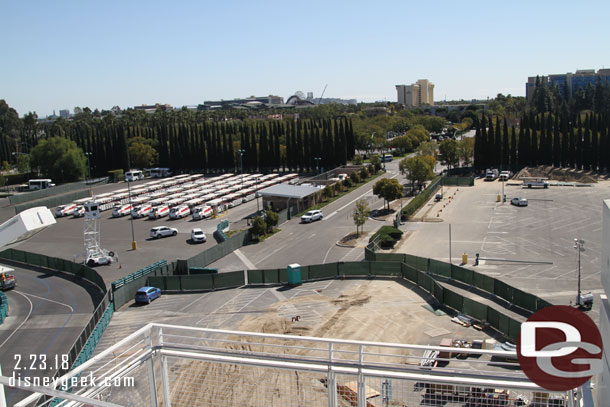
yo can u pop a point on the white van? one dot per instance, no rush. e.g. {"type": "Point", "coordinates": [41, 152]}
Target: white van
{"type": "Point", "coordinates": [134, 175]}
{"type": "Point", "coordinates": [36, 184]}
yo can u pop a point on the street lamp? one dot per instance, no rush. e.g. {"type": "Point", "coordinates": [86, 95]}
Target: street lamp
{"type": "Point", "coordinates": [257, 207]}
{"type": "Point", "coordinates": [579, 245]}
{"type": "Point", "coordinates": [134, 245]}
{"type": "Point", "coordinates": [89, 154]}
{"type": "Point", "coordinates": [241, 164]}
{"type": "Point", "coordinates": [317, 159]}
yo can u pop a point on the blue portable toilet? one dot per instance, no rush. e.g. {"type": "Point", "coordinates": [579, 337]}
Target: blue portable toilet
{"type": "Point", "coordinates": [294, 274]}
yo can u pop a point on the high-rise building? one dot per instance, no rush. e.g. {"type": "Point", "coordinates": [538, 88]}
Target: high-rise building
{"type": "Point", "coordinates": [568, 83]}
{"type": "Point", "coordinates": [64, 113]}
{"type": "Point", "coordinates": [416, 94]}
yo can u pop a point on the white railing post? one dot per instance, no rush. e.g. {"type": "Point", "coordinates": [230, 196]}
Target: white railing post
{"type": "Point", "coordinates": [331, 379]}
{"type": "Point", "coordinates": [164, 376]}
{"type": "Point", "coordinates": [151, 369]}
{"type": "Point", "coordinates": [361, 380]}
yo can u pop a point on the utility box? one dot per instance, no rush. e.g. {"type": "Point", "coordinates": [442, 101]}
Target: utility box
{"type": "Point", "coordinates": [294, 274]}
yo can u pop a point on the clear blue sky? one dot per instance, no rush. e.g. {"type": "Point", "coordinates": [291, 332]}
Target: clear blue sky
{"type": "Point", "coordinates": [62, 54]}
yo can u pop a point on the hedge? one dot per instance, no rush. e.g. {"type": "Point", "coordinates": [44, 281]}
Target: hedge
{"type": "Point", "coordinates": [420, 199]}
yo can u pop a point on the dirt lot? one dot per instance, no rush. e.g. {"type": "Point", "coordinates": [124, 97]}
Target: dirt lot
{"type": "Point", "coordinates": [370, 310]}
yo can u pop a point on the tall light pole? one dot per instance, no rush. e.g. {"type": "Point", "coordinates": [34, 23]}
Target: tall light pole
{"type": "Point", "coordinates": [134, 245]}
{"type": "Point", "coordinates": [241, 164]}
{"type": "Point", "coordinates": [579, 245]}
{"type": "Point", "coordinates": [257, 207]}
{"type": "Point", "coordinates": [317, 160]}
{"type": "Point", "coordinates": [89, 154]}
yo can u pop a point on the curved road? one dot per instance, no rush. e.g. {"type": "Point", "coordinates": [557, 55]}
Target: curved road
{"type": "Point", "coordinates": [47, 313]}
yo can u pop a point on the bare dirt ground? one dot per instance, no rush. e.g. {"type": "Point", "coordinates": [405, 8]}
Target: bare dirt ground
{"type": "Point", "coordinates": [369, 310]}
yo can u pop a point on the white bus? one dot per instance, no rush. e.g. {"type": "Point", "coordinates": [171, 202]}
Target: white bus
{"type": "Point", "coordinates": [134, 175]}
{"type": "Point", "coordinates": [36, 184]}
{"type": "Point", "coordinates": [160, 172]}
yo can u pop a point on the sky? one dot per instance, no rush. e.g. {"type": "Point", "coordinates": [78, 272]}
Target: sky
{"type": "Point", "coordinates": [62, 54]}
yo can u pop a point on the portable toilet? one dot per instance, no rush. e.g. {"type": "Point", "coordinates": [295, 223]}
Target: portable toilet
{"type": "Point", "coordinates": [294, 274]}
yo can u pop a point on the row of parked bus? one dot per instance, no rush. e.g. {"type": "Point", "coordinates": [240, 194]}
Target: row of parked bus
{"type": "Point", "coordinates": [180, 196]}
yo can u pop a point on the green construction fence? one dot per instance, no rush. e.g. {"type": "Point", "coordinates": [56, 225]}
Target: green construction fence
{"type": "Point", "coordinates": [3, 307]}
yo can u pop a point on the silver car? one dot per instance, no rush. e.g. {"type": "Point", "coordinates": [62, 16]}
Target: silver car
{"type": "Point", "coordinates": [162, 231]}
{"type": "Point", "coordinates": [519, 201]}
{"type": "Point", "coordinates": [312, 216]}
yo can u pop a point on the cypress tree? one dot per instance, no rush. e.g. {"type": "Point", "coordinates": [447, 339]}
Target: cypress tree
{"type": "Point", "coordinates": [490, 145]}
{"type": "Point", "coordinates": [513, 149]}
{"type": "Point", "coordinates": [579, 144]}
{"type": "Point", "coordinates": [586, 145]}
{"type": "Point", "coordinates": [505, 149]}
{"type": "Point", "coordinates": [533, 155]}
{"type": "Point", "coordinates": [556, 143]}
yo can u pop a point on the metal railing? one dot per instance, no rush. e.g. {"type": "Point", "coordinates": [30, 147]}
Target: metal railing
{"type": "Point", "coordinates": [185, 366]}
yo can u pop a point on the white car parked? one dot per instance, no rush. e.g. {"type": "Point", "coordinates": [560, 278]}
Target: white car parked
{"type": "Point", "coordinates": [162, 231]}
{"type": "Point", "coordinates": [197, 236]}
{"type": "Point", "coordinates": [312, 216]}
{"type": "Point", "coordinates": [519, 201]}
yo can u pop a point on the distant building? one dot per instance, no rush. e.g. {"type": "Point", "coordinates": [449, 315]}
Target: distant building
{"type": "Point", "coordinates": [416, 94]}
{"type": "Point", "coordinates": [298, 99]}
{"type": "Point", "coordinates": [247, 102]}
{"type": "Point", "coordinates": [64, 113]}
{"type": "Point", "coordinates": [568, 83]}
{"type": "Point", "coordinates": [153, 108]}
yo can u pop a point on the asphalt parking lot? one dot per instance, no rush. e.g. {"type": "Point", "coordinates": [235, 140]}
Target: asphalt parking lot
{"type": "Point", "coordinates": [544, 231]}
{"type": "Point", "coordinates": [47, 313]}
{"type": "Point", "coordinates": [65, 239]}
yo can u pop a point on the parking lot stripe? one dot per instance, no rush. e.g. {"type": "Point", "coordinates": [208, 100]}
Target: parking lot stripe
{"type": "Point", "coordinates": [244, 260]}
{"type": "Point", "coordinates": [193, 302]}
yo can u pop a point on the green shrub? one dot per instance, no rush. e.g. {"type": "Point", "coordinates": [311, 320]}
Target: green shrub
{"type": "Point", "coordinates": [22, 178]}
{"type": "Point", "coordinates": [420, 199]}
{"type": "Point", "coordinates": [387, 242]}
{"type": "Point", "coordinates": [364, 173]}
{"type": "Point", "coordinates": [355, 177]}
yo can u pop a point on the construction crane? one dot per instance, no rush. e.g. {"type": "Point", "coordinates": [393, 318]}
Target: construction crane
{"type": "Point", "coordinates": [322, 95]}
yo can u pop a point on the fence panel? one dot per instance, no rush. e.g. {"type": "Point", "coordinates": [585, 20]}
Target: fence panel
{"type": "Point", "coordinates": [440, 267]}
{"type": "Point", "coordinates": [159, 282]}
{"type": "Point", "coordinates": [271, 276]}
{"type": "Point", "coordinates": [493, 317]}
{"type": "Point", "coordinates": [396, 257]}
{"type": "Point", "coordinates": [321, 271]}
{"type": "Point", "coordinates": [255, 277]}
{"type": "Point", "coordinates": [409, 272]}
{"type": "Point", "coordinates": [439, 292]}
{"type": "Point", "coordinates": [359, 268]}
{"type": "Point", "coordinates": [426, 282]}
{"type": "Point", "coordinates": [231, 279]}
{"type": "Point", "coordinates": [197, 282]}
{"type": "Point", "coordinates": [462, 274]}
{"type": "Point", "coordinates": [453, 300]}
{"type": "Point", "coordinates": [386, 268]}
{"type": "Point", "coordinates": [475, 309]}
{"type": "Point", "coordinates": [514, 328]}
{"type": "Point", "coordinates": [503, 290]}
{"type": "Point", "coordinates": [524, 300]}
{"type": "Point", "coordinates": [483, 282]}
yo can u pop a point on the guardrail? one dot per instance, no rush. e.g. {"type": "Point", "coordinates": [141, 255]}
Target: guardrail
{"type": "Point", "coordinates": [3, 307]}
{"type": "Point", "coordinates": [124, 289]}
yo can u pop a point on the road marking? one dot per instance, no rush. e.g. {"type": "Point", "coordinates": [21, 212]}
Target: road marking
{"type": "Point", "coordinates": [193, 302]}
{"type": "Point", "coordinates": [327, 252]}
{"type": "Point", "coordinates": [351, 202]}
{"type": "Point", "coordinates": [21, 324]}
{"type": "Point", "coordinates": [46, 299]}
{"type": "Point", "coordinates": [244, 259]}
{"type": "Point", "coordinates": [271, 254]}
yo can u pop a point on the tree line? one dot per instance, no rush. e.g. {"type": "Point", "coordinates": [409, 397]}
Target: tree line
{"type": "Point", "coordinates": [578, 141]}
{"type": "Point", "coordinates": [182, 142]}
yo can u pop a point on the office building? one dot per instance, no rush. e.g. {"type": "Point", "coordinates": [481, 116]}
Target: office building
{"type": "Point", "coordinates": [568, 83]}
{"type": "Point", "coordinates": [416, 94]}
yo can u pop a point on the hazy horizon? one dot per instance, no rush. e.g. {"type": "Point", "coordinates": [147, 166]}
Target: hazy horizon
{"type": "Point", "coordinates": [59, 56]}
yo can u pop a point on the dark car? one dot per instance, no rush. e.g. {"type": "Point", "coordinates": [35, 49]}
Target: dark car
{"type": "Point", "coordinates": [147, 294]}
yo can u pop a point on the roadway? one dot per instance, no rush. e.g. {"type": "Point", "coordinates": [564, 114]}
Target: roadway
{"type": "Point", "coordinates": [47, 313]}
{"type": "Point", "coordinates": [313, 243]}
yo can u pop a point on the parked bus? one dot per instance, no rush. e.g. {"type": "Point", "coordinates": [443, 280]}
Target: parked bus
{"type": "Point", "coordinates": [36, 184]}
{"type": "Point", "coordinates": [134, 175]}
{"type": "Point", "coordinates": [160, 172]}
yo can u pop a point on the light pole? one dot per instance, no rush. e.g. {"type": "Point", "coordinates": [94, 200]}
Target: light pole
{"type": "Point", "coordinates": [134, 245]}
{"type": "Point", "coordinates": [241, 164]}
{"type": "Point", "coordinates": [579, 245]}
{"type": "Point", "coordinates": [317, 159]}
{"type": "Point", "coordinates": [257, 207]}
{"type": "Point", "coordinates": [89, 154]}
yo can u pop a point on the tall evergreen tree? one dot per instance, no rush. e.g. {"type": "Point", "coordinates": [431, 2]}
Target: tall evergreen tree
{"type": "Point", "coordinates": [513, 149]}
{"type": "Point", "coordinates": [505, 148]}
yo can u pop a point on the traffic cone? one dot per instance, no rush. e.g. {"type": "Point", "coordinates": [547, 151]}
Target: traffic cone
{"type": "Point", "coordinates": [120, 266]}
